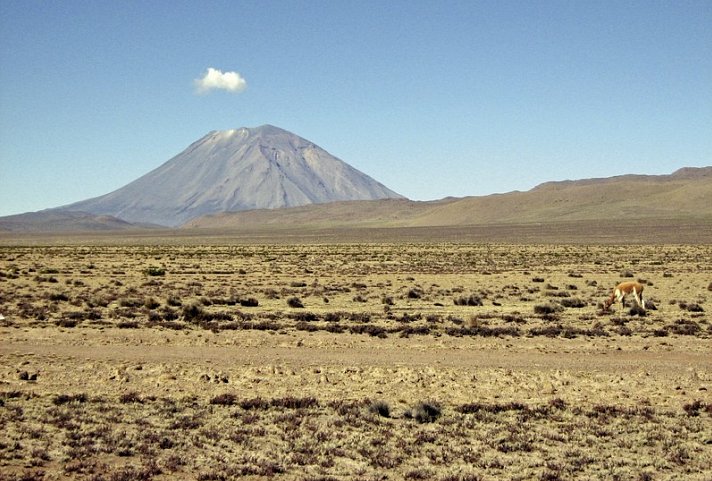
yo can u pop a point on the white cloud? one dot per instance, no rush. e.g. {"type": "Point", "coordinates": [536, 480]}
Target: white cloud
{"type": "Point", "coordinates": [214, 79]}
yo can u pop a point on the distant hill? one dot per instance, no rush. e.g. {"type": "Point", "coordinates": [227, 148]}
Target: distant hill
{"type": "Point", "coordinates": [235, 170]}
{"type": "Point", "coordinates": [687, 193]}
{"type": "Point", "coordinates": [62, 221]}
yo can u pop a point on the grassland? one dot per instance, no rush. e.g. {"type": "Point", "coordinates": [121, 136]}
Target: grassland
{"type": "Point", "coordinates": [341, 361]}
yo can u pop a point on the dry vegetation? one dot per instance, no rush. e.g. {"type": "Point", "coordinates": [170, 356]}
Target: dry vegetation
{"type": "Point", "coordinates": [354, 361]}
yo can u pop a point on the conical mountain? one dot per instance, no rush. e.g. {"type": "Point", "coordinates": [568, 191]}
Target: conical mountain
{"type": "Point", "coordinates": [234, 170]}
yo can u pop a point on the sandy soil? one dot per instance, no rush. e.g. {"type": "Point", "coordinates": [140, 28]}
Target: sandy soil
{"type": "Point", "coordinates": [168, 362]}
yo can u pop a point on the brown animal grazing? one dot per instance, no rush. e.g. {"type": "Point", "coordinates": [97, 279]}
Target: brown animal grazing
{"type": "Point", "coordinates": [622, 290]}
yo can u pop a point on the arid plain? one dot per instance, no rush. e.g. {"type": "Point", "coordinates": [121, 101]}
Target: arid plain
{"type": "Point", "coordinates": [326, 360]}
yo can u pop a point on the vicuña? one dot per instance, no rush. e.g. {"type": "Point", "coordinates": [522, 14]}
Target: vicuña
{"type": "Point", "coordinates": [624, 289]}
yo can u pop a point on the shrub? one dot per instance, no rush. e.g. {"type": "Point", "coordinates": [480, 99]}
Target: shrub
{"type": "Point", "coordinates": [169, 314]}
{"type": "Point", "coordinates": [415, 294]}
{"type": "Point", "coordinates": [290, 402]}
{"type": "Point", "coordinates": [266, 326]}
{"type": "Point", "coordinates": [693, 408]}
{"type": "Point", "coordinates": [476, 408]}
{"type": "Point", "coordinates": [573, 302]}
{"type": "Point", "coordinates": [226, 399]}
{"type": "Point", "coordinates": [417, 331]}
{"type": "Point", "coordinates": [548, 331]}
{"type": "Point", "coordinates": [544, 309]}
{"type": "Point", "coordinates": [174, 301]}
{"type": "Point", "coordinates": [127, 325]}
{"type": "Point", "coordinates": [295, 302]}
{"type": "Point", "coordinates": [131, 397]}
{"type": "Point", "coordinates": [155, 271]}
{"type": "Point", "coordinates": [516, 318]}
{"type": "Point", "coordinates": [425, 412]}
{"type": "Point", "coordinates": [684, 327]}
{"type": "Point", "coordinates": [192, 312]}
{"type": "Point", "coordinates": [335, 327]}
{"type": "Point", "coordinates": [69, 398]}
{"type": "Point", "coordinates": [556, 293]}
{"type": "Point", "coordinates": [333, 316]}
{"type": "Point", "coordinates": [147, 471]}
{"type": "Point", "coordinates": [306, 326]}
{"type": "Point", "coordinates": [375, 331]}
{"type": "Point", "coordinates": [131, 302]}
{"type": "Point", "coordinates": [249, 302]}
{"type": "Point", "coordinates": [380, 408]}
{"type": "Point", "coordinates": [151, 303]}
{"type": "Point", "coordinates": [253, 404]}
{"type": "Point", "coordinates": [624, 331]}
{"type": "Point", "coordinates": [408, 318]}
{"type": "Point", "coordinates": [67, 322]}
{"type": "Point", "coordinates": [230, 301]}
{"type": "Point", "coordinates": [694, 308]}
{"type": "Point", "coordinates": [304, 317]}
{"type": "Point", "coordinates": [471, 300]}
{"type": "Point", "coordinates": [483, 331]}
{"type": "Point", "coordinates": [176, 326]}
{"type": "Point", "coordinates": [82, 315]}
{"type": "Point", "coordinates": [26, 376]}
{"type": "Point", "coordinates": [360, 317]}
{"type": "Point", "coordinates": [419, 474]}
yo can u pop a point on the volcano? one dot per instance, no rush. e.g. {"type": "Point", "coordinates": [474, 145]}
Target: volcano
{"type": "Point", "coordinates": [236, 170]}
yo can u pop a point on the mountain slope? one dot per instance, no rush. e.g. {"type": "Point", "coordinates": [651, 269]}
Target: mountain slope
{"type": "Point", "coordinates": [374, 213]}
{"type": "Point", "coordinates": [686, 193]}
{"type": "Point", "coordinates": [235, 170]}
{"type": "Point", "coordinates": [61, 221]}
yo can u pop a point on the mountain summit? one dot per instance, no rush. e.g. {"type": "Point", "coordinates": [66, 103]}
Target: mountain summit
{"type": "Point", "coordinates": [234, 170]}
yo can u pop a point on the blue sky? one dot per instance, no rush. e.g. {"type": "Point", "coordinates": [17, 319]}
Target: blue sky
{"type": "Point", "coordinates": [433, 98]}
